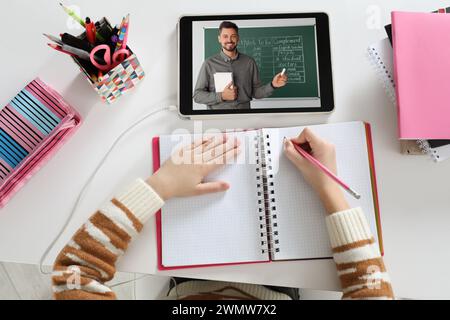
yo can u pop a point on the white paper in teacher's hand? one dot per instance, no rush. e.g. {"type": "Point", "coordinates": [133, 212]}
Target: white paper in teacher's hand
{"type": "Point", "coordinates": [221, 80]}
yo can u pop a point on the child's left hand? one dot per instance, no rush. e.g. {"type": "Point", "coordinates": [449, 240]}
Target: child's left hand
{"type": "Point", "coordinates": [183, 174]}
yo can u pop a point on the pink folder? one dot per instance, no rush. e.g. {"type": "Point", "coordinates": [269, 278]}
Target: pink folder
{"type": "Point", "coordinates": [422, 71]}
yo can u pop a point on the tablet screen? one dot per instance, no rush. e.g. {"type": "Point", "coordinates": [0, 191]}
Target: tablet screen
{"type": "Point", "coordinates": [253, 64]}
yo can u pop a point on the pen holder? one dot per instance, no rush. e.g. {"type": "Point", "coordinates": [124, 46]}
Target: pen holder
{"type": "Point", "coordinates": [118, 81]}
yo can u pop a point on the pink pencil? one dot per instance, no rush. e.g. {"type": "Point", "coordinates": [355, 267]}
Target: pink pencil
{"type": "Point", "coordinates": [316, 162]}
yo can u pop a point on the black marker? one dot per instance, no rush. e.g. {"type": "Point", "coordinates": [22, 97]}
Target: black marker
{"type": "Point", "coordinates": [76, 42]}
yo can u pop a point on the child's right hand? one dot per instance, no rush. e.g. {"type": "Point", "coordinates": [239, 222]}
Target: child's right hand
{"type": "Point", "coordinates": [328, 190]}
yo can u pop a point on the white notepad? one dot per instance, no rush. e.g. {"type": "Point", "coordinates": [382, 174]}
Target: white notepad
{"type": "Point", "coordinates": [221, 80]}
{"type": "Point", "coordinates": [270, 212]}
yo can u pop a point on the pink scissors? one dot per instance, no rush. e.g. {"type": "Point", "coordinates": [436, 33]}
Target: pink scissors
{"type": "Point", "coordinates": [110, 61]}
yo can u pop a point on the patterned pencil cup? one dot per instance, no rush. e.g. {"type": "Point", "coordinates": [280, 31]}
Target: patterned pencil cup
{"type": "Point", "coordinates": [117, 81]}
{"type": "Point", "coordinates": [120, 80]}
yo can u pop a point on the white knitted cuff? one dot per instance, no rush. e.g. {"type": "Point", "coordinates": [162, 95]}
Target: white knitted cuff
{"type": "Point", "coordinates": [141, 200]}
{"type": "Point", "coordinates": [347, 227]}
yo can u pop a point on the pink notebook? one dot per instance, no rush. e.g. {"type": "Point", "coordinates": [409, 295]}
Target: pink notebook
{"type": "Point", "coordinates": [422, 71]}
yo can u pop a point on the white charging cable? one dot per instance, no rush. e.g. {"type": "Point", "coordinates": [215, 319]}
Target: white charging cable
{"type": "Point", "coordinates": [91, 177]}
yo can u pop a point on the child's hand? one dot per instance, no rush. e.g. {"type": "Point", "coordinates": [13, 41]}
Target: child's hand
{"type": "Point", "coordinates": [183, 174]}
{"type": "Point", "coordinates": [328, 190]}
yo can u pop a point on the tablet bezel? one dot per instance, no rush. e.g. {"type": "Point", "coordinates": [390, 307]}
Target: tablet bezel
{"type": "Point", "coordinates": [185, 58]}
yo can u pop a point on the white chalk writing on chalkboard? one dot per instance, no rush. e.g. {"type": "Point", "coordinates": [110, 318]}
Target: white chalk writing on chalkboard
{"type": "Point", "coordinates": [273, 54]}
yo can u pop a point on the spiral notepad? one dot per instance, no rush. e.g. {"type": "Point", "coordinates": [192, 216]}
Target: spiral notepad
{"type": "Point", "coordinates": [270, 213]}
{"type": "Point", "coordinates": [381, 56]}
{"type": "Point", "coordinates": [33, 125]}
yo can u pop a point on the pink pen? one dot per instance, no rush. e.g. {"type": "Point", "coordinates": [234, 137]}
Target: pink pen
{"type": "Point", "coordinates": [315, 162]}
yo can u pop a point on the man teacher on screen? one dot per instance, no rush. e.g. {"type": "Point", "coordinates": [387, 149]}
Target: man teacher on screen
{"type": "Point", "coordinates": [244, 83]}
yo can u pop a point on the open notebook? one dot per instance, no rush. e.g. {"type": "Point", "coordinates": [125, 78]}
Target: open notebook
{"type": "Point", "coordinates": [270, 213]}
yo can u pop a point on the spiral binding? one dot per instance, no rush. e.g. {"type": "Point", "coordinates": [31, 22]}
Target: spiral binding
{"type": "Point", "coordinates": [384, 75]}
{"type": "Point", "coordinates": [266, 196]}
{"type": "Point", "coordinates": [425, 147]}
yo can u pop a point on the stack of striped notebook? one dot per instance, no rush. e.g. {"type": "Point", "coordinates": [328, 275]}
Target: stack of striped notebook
{"type": "Point", "coordinates": [33, 125]}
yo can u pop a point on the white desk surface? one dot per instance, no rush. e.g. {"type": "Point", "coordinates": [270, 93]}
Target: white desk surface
{"type": "Point", "coordinates": [415, 205]}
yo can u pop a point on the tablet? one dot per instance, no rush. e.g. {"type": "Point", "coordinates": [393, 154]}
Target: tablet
{"type": "Point", "coordinates": [254, 63]}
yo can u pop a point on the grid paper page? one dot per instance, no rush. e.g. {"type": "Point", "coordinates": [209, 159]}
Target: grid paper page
{"type": "Point", "coordinates": [215, 228]}
{"type": "Point", "coordinates": [300, 214]}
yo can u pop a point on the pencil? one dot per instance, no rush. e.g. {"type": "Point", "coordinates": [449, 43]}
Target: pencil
{"type": "Point", "coordinates": [54, 39]}
{"type": "Point", "coordinates": [78, 19]}
{"type": "Point", "coordinates": [319, 165]}
{"type": "Point", "coordinates": [73, 14]}
{"type": "Point", "coordinates": [60, 49]}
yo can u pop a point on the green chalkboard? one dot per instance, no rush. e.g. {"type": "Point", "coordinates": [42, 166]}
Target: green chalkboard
{"type": "Point", "coordinates": [275, 48]}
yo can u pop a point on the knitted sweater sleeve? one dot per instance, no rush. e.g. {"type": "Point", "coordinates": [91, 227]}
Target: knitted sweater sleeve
{"type": "Point", "coordinates": [88, 261]}
{"type": "Point", "coordinates": [358, 260]}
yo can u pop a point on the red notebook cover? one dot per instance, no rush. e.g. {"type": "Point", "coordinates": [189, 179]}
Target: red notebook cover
{"type": "Point", "coordinates": [373, 177]}
{"type": "Point", "coordinates": [157, 164]}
